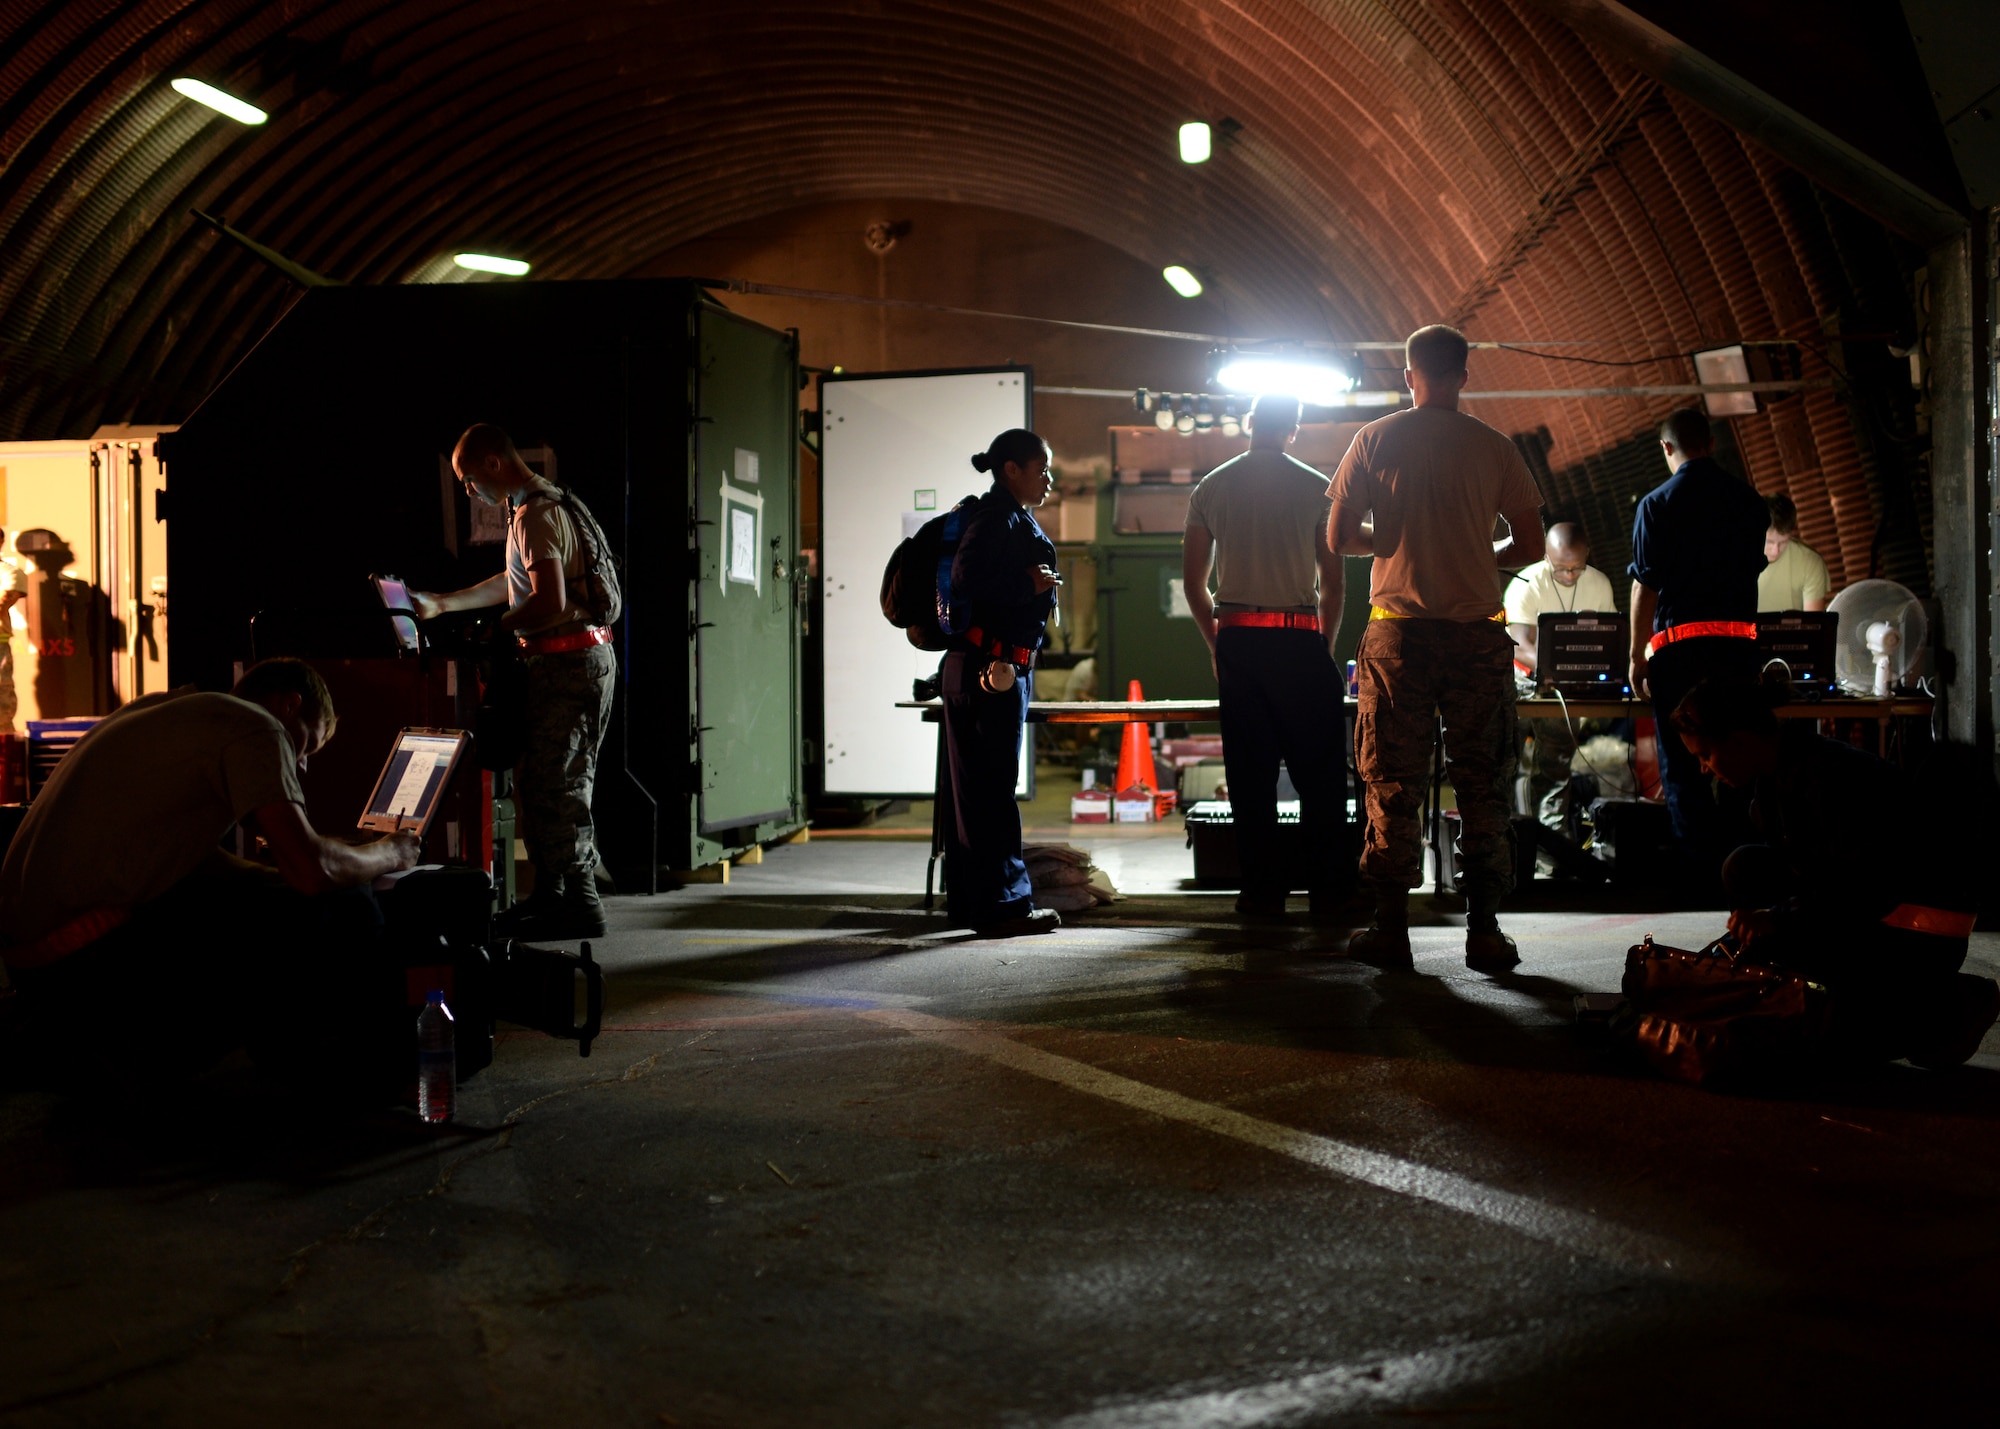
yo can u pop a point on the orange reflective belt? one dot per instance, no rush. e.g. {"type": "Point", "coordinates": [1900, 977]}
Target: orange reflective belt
{"type": "Point", "coordinates": [1375, 612]}
{"type": "Point", "coordinates": [1941, 922]}
{"type": "Point", "coordinates": [1695, 629]}
{"type": "Point", "coordinates": [54, 947]}
{"type": "Point", "coordinates": [1269, 619]}
{"type": "Point", "coordinates": [1000, 649]}
{"type": "Point", "coordinates": [563, 644]}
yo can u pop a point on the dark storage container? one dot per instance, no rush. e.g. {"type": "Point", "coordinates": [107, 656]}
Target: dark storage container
{"type": "Point", "coordinates": [325, 457]}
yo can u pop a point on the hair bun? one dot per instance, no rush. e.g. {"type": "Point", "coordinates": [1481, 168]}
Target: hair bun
{"type": "Point", "coordinates": [981, 462]}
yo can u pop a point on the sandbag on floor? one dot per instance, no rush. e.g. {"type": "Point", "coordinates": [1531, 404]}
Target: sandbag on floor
{"type": "Point", "coordinates": [1064, 878]}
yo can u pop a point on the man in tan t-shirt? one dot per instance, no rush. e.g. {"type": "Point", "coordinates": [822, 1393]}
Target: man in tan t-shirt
{"type": "Point", "coordinates": [561, 613]}
{"type": "Point", "coordinates": [1262, 516]}
{"type": "Point", "coordinates": [1420, 491]}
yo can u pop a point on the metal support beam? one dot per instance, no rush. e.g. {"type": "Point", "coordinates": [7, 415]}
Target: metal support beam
{"type": "Point", "coordinates": [1616, 124]}
{"type": "Point", "coordinates": [1961, 447]}
{"type": "Point", "coordinates": [1828, 160]}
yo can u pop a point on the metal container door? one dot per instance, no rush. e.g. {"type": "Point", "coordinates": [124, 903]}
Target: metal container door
{"type": "Point", "coordinates": [746, 636]}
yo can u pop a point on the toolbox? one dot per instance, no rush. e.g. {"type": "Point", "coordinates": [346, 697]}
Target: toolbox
{"type": "Point", "coordinates": [1211, 833]}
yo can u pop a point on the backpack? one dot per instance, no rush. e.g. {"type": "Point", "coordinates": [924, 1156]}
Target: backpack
{"type": "Point", "coordinates": [916, 584]}
{"type": "Point", "coordinates": [600, 593]}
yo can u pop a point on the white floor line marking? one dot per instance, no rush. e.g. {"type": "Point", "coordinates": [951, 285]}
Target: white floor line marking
{"type": "Point", "coordinates": [1371, 1386]}
{"type": "Point", "coordinates": [1575, 1231]}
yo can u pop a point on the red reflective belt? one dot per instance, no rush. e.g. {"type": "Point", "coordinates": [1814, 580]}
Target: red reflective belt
{"type": "Point", "coordinates": [1695, 629]}
{"type": "Point", "coordinates": [1943, 922]}
{"type": "Point", "coordinates": [999, 649]}
{"type": "Point", "coordinates": [563, 644]}
{"type": "Point", "coordinates": [54, 947]}
{"type": "Point", "coordinates": [1269, 619]}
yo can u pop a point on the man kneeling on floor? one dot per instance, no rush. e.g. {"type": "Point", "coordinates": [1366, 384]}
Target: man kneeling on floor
{"type": "Point", "coordinates": [1861, 884]}
{"type": "Point", "coordinates": [132, 938]}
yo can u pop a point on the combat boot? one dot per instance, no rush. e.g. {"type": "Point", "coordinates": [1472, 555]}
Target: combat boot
{"type": "Point", "coordinates": [1385, 942]}
{"type": "Point", "coordinates": [515, 922]}
{"type": "Point", "coordinates": [1487, 949]}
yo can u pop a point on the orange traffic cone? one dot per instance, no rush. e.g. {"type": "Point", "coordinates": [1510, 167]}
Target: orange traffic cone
{"type": "Point", "coordinates": [1135, 759]}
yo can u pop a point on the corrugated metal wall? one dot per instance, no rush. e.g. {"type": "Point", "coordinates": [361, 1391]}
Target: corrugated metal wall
{"type": "Point", "coordinates": [1392, 153]}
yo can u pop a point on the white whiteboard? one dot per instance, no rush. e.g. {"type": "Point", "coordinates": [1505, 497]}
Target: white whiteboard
{"type": "Point", "coordinates": [894, 452]}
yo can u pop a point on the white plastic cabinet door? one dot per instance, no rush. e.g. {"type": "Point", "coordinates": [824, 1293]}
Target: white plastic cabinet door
{"type": "Point", "coordinates": [894, 452]}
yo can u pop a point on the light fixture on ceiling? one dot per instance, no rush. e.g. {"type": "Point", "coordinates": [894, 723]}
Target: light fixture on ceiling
{"type": "Point", "coordinates": [487, 263]}
{"type": "Point", "coordinates": [1182, 280]}
{"type": "Point", "coordinates": [221, 103]}
{"type": "Point", "coordinates": [1725, 365]}
{"type": "Point", "coordinates": [1184, 417]}
{"type": "Point", "coordinates": [1313, 378]}
{"type": "Point", "coordinates": [1197, 143]}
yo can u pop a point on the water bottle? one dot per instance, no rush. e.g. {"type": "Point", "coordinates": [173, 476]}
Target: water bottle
{"type": "Point", "coordinates": [437, 1062]}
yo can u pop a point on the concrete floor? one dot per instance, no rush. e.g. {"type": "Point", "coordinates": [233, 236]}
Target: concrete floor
{"type": "Point", "coordinates": [835, 1164]}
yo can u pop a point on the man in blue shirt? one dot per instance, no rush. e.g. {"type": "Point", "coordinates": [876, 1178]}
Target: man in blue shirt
{"type": "Point", "coordinates": [1697, 550]}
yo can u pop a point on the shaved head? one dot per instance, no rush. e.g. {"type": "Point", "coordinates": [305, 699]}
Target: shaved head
{"type": "Point", "coordinates": [1567, 540]}
{"type": "Point", "coordinates": [1568, 550]}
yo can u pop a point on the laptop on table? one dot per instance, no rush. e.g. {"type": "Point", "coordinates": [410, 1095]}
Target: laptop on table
{"type": "Point", "coordinates": [1804, 640]}
{"type": "Point", "coordinates": [1585, 654]}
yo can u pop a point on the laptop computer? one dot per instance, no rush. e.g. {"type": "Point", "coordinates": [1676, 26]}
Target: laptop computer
{"type": "Point", "coordinates": [1805, 641]}
{"type": "Point", "coordinates": [413, 780]}
{"type": "Point", "coordinates": [1583, 653]}
{"type": "Point", "coordinates": [395, 597]}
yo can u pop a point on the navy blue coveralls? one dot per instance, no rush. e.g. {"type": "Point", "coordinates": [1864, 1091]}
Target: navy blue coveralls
{"type": "Point", "coordinates": [1698, 542]}
{"type": "Point", "coordinates": [993, 602]}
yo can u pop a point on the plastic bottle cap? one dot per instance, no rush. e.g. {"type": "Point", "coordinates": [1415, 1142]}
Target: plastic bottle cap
{"type": "Point", "coordinates": [436, 997]}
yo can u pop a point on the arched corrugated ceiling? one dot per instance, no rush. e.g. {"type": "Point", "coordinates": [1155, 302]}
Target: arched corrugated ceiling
{"type": "Point", "coordinates": [1399, 161]}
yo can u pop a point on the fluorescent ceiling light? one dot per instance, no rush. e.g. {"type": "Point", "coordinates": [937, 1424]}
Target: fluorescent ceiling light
{"type": "Point", "coordinates": [487, 263]}
{"type": "Point", "coordinates": [1182, 281]}
{"type": "Point", "coordinates": [218, 101]}
{"type": "Point", "coordinates": [1310, 380]}
{"type": "Point", "coordinates": [1195, 143]}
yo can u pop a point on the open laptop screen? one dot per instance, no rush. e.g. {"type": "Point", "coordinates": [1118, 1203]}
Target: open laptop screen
{"type": "Point", "coordinates": [413, 781]}
{"type": "Point", "coordinates": [1583, 652]}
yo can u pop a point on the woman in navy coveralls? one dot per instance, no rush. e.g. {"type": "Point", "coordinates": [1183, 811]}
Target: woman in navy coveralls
{"type": "Point", "coordinates": [1003, 584]}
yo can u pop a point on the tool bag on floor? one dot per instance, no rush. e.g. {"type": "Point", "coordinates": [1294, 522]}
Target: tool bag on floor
{"type": "Point", "coordinates": [1711, 1018]}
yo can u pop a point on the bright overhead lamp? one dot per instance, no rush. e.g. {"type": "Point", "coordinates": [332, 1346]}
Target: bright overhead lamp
{"type": "Point", "coordinates": [487, 263]}
{"type": "Point", "coordinates": [221, 103]}
{"type": "Point", "coordinates": [1313, 380]}
{"type": "Point", "coordinates": [1182, 281]}
{"type": "Point", "coordinates": [1197, 143]}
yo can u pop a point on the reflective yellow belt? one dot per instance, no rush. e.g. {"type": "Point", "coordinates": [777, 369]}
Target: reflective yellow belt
{"type": "Point", "coordinates": [1375, 612]}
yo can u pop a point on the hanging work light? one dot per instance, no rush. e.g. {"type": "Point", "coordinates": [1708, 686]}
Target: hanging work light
{"type": "Point", "coordinates": [1312, 377]}
{"type": "Point", "coordinates": [1184, 417]}
{"type": "Point", "coordinates": [1197, 143]}
{"type": "Point", "coordinates": [1182, 281]}
{"type": "Point", "coordinates": [1232, 423]}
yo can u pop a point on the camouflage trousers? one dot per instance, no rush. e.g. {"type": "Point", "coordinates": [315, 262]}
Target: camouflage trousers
{"type": "Point", "coordinates": [1410, 672]}
{"type": "Point", "coordinates": [569, 704]}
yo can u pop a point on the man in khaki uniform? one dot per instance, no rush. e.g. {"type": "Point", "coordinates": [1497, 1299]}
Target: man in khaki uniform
{"type": "Point", "coordinates": [1794, 576]}
{"type": "Point", "coordinates": [561, 598]}
{"type": "Point", "coordinates": [1420, 490]}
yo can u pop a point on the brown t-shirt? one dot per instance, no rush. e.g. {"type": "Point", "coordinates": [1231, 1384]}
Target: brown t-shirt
{"type": "Point", "coordinates": [139, 805]}
{"type": "Point", "coordinates": [1435, 480]}
{"type": "Point", "coordinates": [1264, 509]}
